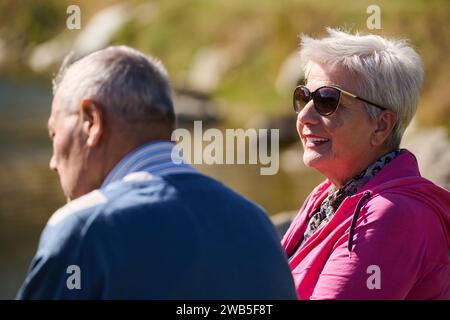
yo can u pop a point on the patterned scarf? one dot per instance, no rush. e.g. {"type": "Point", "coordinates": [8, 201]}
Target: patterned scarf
{"type": "Point", "coordinates": [335, 197]}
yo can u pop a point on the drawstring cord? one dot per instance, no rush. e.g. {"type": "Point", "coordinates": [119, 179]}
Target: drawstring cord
{"type": "Point", "coordinates": [361, 201]}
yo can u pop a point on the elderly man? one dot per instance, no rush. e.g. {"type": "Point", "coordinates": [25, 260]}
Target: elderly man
{"type": "Point", "coordinates": [375, 229]}
{"type": "Point", "coordinates": [138, 226]}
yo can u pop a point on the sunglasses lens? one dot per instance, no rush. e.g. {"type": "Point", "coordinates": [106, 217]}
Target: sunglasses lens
{"type": "Point", "coordinates": [301, 97]}
{"type": "Point", "coordinates": [326, 100]}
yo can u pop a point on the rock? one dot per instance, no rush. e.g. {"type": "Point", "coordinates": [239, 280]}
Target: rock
{"type": "Point", "coordinates": [101, 28]}
{"type": "Point", "coordinates": [285, 123]}
{"type": "Point", "coordinates": [2, 52]}
{"type": "Point", "coordinates": [208, 68]}
{"type": "Point", "coordinates": [291, 159]}
{"type": "Point", "coordinates": [432, 150]}
{"type": "Point", "coordinates": [282, 221]}
{"type": "Point", "coordinates": [144, 13]}
{"type": "Point", "coordinates": [289, 74]}
{"type": "Point", "coordinates": [211, 63]}
{"type": "Point", "coordinates": [50, 54]}
{"type": "Point", "coordinates": [191, 105]}
{"type": "Point", "coordinates": [97, 34]}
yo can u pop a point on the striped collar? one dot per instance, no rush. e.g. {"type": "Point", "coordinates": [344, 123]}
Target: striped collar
{"type": "Point", "coordinates": [154, 157]}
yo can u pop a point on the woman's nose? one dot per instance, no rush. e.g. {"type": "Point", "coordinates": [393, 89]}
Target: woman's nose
{"type": "Point", "coordinates": [308, 115]}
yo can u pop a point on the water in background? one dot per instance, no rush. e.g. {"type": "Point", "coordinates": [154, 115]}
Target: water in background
{"type": "Point", "coordinates": [30, 192]}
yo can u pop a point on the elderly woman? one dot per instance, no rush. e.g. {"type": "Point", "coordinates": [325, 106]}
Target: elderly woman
{"type": "Point", "coordinates": [375, 229]}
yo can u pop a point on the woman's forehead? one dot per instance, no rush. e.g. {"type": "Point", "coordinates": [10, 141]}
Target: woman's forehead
{"type": "Point", "coordinates": [325, 75]}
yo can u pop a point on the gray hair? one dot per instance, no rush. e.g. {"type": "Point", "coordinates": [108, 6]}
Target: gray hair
{"type": "Point", "coordinates": [120, 78]}
{"type": "Point", "coordinates": [389, 72]}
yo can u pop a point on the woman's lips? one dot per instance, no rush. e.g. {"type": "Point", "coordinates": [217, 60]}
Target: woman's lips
{"type": "Point", "coordinates": [314, 141]}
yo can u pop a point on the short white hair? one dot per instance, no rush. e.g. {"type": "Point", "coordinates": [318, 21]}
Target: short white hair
{"type": "Point", "coordinates": [123, 80]}
{"type": "Point", "coordinates": [389, 72]}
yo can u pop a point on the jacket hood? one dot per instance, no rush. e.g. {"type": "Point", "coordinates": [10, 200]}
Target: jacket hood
{"type": "Point", "coordinates": [402, 177]}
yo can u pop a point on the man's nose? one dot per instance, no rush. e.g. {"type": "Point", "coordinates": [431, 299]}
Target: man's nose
{"type": "Point", "coordinates": [308, 115]}
{"type": "Point", "coordinates": [52, 164]}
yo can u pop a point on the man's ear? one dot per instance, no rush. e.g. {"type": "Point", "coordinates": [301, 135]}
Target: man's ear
{"type": "Point", "coordinates": [92, 119]}
{"type": "Point", "coordinates": [385, 124]}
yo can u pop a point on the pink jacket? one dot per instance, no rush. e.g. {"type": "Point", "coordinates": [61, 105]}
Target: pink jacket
{"type": "Point", "coordinates": [395, 248]}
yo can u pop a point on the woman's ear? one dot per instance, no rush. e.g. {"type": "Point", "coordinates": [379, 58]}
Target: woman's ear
{"type": "Point", "coordinates": [92, 119]}
{"type": "Point", "coordinates": [385, 124]}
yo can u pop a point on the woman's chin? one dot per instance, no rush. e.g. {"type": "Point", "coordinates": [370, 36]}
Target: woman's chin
{"type": "Point", "coordinates": [313, 159]}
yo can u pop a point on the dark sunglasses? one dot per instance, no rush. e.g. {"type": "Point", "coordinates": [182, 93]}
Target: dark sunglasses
{"type": "Point", "coordinates": [326, 99]}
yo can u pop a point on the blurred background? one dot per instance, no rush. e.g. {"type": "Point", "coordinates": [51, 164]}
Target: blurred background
{"type": "Point", "coordinates": [232, 64]}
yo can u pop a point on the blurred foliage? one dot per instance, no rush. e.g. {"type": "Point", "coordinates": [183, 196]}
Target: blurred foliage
{"type": "Point", "coordinates": [265, 32]}
{"type": "Point", "coordinates": [23, 24]}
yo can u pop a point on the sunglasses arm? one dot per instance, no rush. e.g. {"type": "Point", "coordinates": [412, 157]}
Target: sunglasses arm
{"type": "Point", "coordinates": [348, 94]}
{"type": "Point", "coordinates": [362, 99]}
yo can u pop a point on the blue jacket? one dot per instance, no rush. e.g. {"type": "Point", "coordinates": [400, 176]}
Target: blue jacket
{"type": "Point", "coordinates": [156, 230]}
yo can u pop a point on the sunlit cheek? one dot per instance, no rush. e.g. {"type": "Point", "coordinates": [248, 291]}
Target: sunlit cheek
{"type": "Point", "coordinates": [333, 124]}
{"type": "Point", "coordinates": [299, 131]}
{"type": "Point", "coordinates": [64, 144]}
{"type": "Point", "coordinates": [297, 122]}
